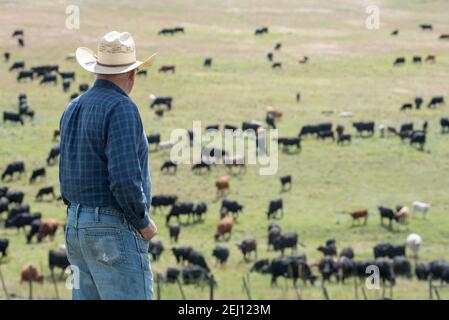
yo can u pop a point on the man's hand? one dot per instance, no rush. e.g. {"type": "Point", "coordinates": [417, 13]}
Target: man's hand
{"type": "Point", "coordinates": [150, 231]}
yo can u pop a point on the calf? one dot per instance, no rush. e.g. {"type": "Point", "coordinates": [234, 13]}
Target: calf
{"type": "Point", "coordinates": [4, 243]}
{"type": "Point", "coordinates": [326, 134]}
{"type": "Point", "coordinates": [286, 180]}
{"type": "Point", "coordinates": [37, 173]}
{"type": "Point", "coordinates": [53, 155]}
{"type": "Point", "coordinates": [13, 117]}
{"type": "Point", "coordinates": [174, 230]}
{"type": "Point", "coordinates": [431, 58]}
{"type": "Point", "coordinates": [224, 227]}
{"type": "Point", "coordinates": [155, 248]}
{"type": "Point", "coordinates": [274, 207]}
{"type": "Point", "coordinates": [360, 214]}
{"type": "Point", "coordinates": [44, 191]}
{"type": "Point", "coordinates": [247, 246]}
{"type": "Point", "coordinates": [221, 253]}
{"type": "Point", "coordinates": [12, 168]}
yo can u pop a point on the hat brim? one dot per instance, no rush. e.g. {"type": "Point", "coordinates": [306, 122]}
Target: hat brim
{"type": "Point", "coordinates": [87, 60]}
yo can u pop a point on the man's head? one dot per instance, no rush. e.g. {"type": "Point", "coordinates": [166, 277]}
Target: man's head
{"type": "Point", "coordinates": [124, 80]}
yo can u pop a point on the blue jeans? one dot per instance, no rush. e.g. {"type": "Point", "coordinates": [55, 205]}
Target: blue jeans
{"type": "Point", "coordinates": [108, 255]}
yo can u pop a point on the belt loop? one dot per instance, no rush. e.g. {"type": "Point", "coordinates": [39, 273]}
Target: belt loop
{"type": "Point", "coordinates": [76, 214]}
{"type": "Point", "coordinates": [97, 218]}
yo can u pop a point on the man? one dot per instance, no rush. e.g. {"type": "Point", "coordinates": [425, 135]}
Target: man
{"type": "Point", "coordinates": [105, 179]}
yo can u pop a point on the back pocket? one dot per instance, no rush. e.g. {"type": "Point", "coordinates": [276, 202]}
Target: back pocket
{"type": "Point", "coordinates": [105, 245]}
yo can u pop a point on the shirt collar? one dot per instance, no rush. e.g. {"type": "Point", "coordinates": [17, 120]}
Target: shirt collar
{"type": "Point", "coordinates": [101, 83]}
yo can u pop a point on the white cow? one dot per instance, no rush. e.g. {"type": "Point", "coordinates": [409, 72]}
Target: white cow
{"type": "Point", "coordinates": [414, 242]}
{"type": "Point", "coordinates": [420, 206]}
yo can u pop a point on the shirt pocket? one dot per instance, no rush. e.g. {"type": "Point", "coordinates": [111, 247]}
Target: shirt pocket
{"type": "Point", "coordinates": [105, 245]}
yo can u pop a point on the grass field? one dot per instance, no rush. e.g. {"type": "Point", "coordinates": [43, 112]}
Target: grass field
{"type": "Point", "coordinates": [350, 69]}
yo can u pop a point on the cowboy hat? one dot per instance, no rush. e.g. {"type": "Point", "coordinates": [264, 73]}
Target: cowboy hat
{"type": "Point", "coordinates": [116, 53]}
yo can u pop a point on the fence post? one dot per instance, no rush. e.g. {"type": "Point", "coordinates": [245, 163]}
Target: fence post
{"type": "Point", "coordinates": [158, 287]}
{"type": "Point", "coordinates": [246, 288]}
{"type": "Point", "coordinates": [55, 284]}
{"type": "Point", "coordinates": [180, 288]}
{"type": "Point", "coordinates": [430, 289]}
{"type": "Point", "coordinates": [30, 284]}
{"type": "Point", "coordinates": [356, 290]}
{"type": "Point", "coordinates": [211, 287]}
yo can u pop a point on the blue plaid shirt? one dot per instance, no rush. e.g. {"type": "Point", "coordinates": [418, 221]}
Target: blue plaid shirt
{"type": "Point", "coordinates": [104, 153]}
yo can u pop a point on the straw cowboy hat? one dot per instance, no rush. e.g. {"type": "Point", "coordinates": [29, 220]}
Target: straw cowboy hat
{"type": "Point", "coordinates": [116, 53]}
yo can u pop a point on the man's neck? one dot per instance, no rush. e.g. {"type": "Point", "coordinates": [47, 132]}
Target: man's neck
{"type": "Point", "coordinates": [117, 82]}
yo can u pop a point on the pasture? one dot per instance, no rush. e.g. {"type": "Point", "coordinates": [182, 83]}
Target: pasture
{"type": "Point", "coordinates": [350, 69]}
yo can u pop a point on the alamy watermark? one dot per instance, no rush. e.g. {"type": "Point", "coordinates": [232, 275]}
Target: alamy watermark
{"type": "Point", "coordinates": [72, 21]}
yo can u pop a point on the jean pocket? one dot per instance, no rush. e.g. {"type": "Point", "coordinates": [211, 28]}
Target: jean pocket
{"type": "Point", "coordinates": [105, 245]}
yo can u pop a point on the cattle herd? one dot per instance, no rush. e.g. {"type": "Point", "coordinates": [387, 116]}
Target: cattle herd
{"type": "Point", "coordinates": [390, 259]}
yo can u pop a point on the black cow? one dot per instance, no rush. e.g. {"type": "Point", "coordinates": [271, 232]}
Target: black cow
{"type": "Point", "coordinates": [345, 268]}
{"type": "Point", "coordinates": [199, 210]}
{"type": "Point", "coordinates": [67, 75]}
{"type": "Point", "coordinates": [167, 165]}
{"type": "Point", "coordinates": [163, 201]}
{"type": "Point", "coordinates": [174, 231]}
{"type": "Point", "coordinates": [284, 241]}
{"type": "Point", "coordinates": [74, 96]}
{"type": "Point", "coordinates": [417, 59]}
{"type": "Point", "coordinates": [66, 85]}
{"type": "Point", "coordinates": [230, 206]}
{"type": "Point", "coordinates": [399, 61]}
{"type": "Point", "coordinates": [326, 134]}
{"type": "Point", "coordinates": [385, 249]}
{"type": "Point", "coordinates": [154, 139]}
{"type": "Point", "coordinates": [207, 62]}
{"type": "Point", "coordinates": [261, 266]}
{"type": "Point", "coordinates": [309, 129]}
{"type": "Point", "coordinates": [44, 191]}
{"type": "Point", "coordinates": [15, 196]}
{"type": "Point", "coordinates": [6, 55]}
{"type": "Point", "coordinates": [426, 27]}
{"type": "Point", "coordinates": [422, 270]}
{"type": "Point", "coordinates": [294, 267]}
{"type": "Point", "coordinates": [276, 65]}
{"type": "Point", "coordinates": [4, 204]}
{"type": "Point", "coordinates": [3, 191]}
{"type": "Point", "coordinates": [167, 101]}
{"type": "Point", "coordinates": [327, 267]}
{"type": "Point", "coordinates": [406, 106]}
{"type": "Point", "coordinates": [274, 207]}
{"type": "Point", "coordinates": [155, 248]}
{"type": "Point", "coordinates": [261, 31]}
{"type": "Point", "coordinates": [49, 78]}
{"type": "Point", "coordinates": [21, 42]}
{"type": "Point", "coordinates": [83, 87]}
{"type": "Point", "coordinates": [387, 213]}
{"type": "Point", "coordinates": [37, 173]}
{"type": "Point", "coordinates": [386, 270]}
{"type": "Point", "coordinates": [418, 102]}
{"type": "Point", "coordinates": [58, 259]}
{"type": "Point", "coordinates": [402, 267]}
{"type": "Point", "coordinates": [17, 166]}
{"type": "Point", "coordinates": [270, 56]}
{"type": "Point", "coordinates": [166, 31]}
{"type": "Point", "coordinates": [435, 101]}
{"type": "Point", "coordinates": [221, 253]}
{"type": "Point", "coordinates": [418, 137]}
{"type": "Point", "coordinates": [22, 220]}
{"type": "Point", "coordinates": [439, 270]}
{"type": "Point", "coordinates": [4, 243]}
{"type": "Point", "coordinates": [250, 126]}
{"type": "Point", "coordinates": [24, 75]}
{"type": "Point", "coordinates": [444, 122]}
{"type": "Point", "coordinates": [142, 72]}
{"type": "Point", "coordinates": [286, 180]}
{"type": "Point", "coordinates": [361, 127]}
{"type": "Point", "coordinates": [247, 246]}
{"type": "Point", "coordinates": [13, 117]}
{"type": "Point", "coordinates": [198, 167]}
{"type": "Point", "coordinates": [347, 252]}
{"type": "Point", "coordinates": [197, 258]}
{"type": "Point", "coordinates": [195, 275]}
{"type": "Point", "coordinates": [395, 32]}
{"type": "Point", "coordinates": [53, 154]}
{"type": "Point", "coordinates": [18, 209]}
{"type": "Point", "coordinates": [230, 127]}
{"type": "Point", "coordinates": [172, 275]}
{"type": "Point", "coordinates": [290, 141]}
{"type": "Point", "coordinates": [274, 232]}
{"type": "Point", "coordinates": [17, 65]}
{"type": "Point", "coordinates": [270, 121]}
{"type": "Point", "coordinates": [182, 253]}
{"type": "Point", "coordinates": [179, 209]}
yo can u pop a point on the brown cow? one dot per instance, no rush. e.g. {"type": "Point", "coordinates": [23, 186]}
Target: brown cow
{"type": "Point", "coordinates": [56, 134]}
{"type": "Point", "coordinates": [356, 215]}
{"type": "Point", "coordinates": [224, 227]}
{"type": "Point", "coordinates": [273, 112]}
{"type": "Point", "coordinates": [30, 273]}
{"type": "Point", "coordinates": [402, 214]}
{"type": "Point", "coordinates": [47, 228]}
{"type": "Point", "coordinates": [222, 185]}
{"type": "Point", "coordinates": [431, 58]}
{"type": "Point", "coordinates": [167, 69]}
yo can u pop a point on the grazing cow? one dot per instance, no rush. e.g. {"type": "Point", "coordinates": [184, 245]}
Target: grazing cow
{"type": "Point", "coordinates": [402, 267]}
{"type": "Point", "coordinates": [357, 215]}
{"type": "Point", "coordinates": [247, 246]}
{"type": "Point", "coordinates": [270, 121]}
{"type": "Point", "coordinates": [15, 196]}
{"type": "Point", "coordinates": [163, 201]}
{"type": "Point", "coordinates": [66, 85]}
{"type": "Point", "coordinates": [224, 227]}
{"type": "Point", "coordinates": [169, 165]}
{"type": "Point", "coordinates": [287, 142]}
{"type": "Point", "coordinates": [418, 138]}
{"type": "Point", "coordinates": [278, 46]}
{"type": "Point", "coordinates": [207, 62]}
{"type": "Point", "coordinates": [402, 214]}
{"type": "Point", "coordinates": [17, 166]}
{"type": "Point", "coordinates": [174, 230]}
{"type": "Point", "coordinates": [420, 206]}
{"type": "Point", "coordinates": [303, 60]}
{"type": "Point", "coordinates": [418, 103]}
{"type": "Point", "coordinates": [83, 87]}
{"type": "Point", "coordinates": [44, 191]}
{"type": "Point", "coordinates": [182, 253]}
{"type": "Point", "coordinates": [276, 65]}
{"type": "Point", "coordinates": [431, 58]}
{"type": "Point", "coordinates": [22, 220]}
{"type": "Point", "coordinates": [274, 207]}
{"type": "Point", "coordinates": [195, 275]}
{"type": "Point", "coordinates": [17, 65]}
{"type": "Point", "coordinates": [385, 249]}
{"type": "Point", "coordinates": [426, 27]}
{"type": "Point", "coordinates": [198, 167]}
{"type": "Point", "coordinates": [323, 135]}
{"type": "Point", "coordinates": [438, 270]}
{"type": "Point", "coordinates": [435, 101]}
{"type": "Point", "coordinates": [21, 42]}
{"type": "Point", "coordinates": [395, 32]}
{"type": "Point", "coordinates": [172, 275]}
{"type": "Point", "coordinates": [444, 122]}
{"type": "Point", "coordinates": [406, 106]}
{"type": "Point", "coordinates": [345, 268]}
{"type": "Point", "coordinates": [157, 101]}
{"type": "Point", "coordinates": [361, 127]}
{"type": "Point", "coordinates": [417, 59]}
{"type": "Point", "coordinates": [29, 273]}
{"type": "Point", "coordinates": [4, 243]}
{"type": "Point", "coordinates": [142, 72]}
{"type": "Point", "coordinates": [347, 252]}
{"type": "Point", "coordinates": [22, 208]}
{"type": "Point", "coordinates": [270, 56]}
{"type": "Point", "coordinates": [24, 75]}
{"type": "Point", "coordinates": [58, 259]}
{"type": "Point", "coordinates": [328, 267]}
{"type": "Point", "coordinates": [53, 155]}
{"type": "Point", "coordinates": [222, 185]}
{"type": "Point", "coordinates": [252, 126]}
{"type": "Point", "coordinates": [178, 209]}
{"type": "Point", "coordinates": [13, 117]}
{"type": "Point", "coordinates": [221, 253]}
{"type": "Point", "coordinates": [155, 248]}
{"type": "Point", "coordinates": [197, 258]}
{"type": "Point", "coordinates": [48, 228]}
{"type": "Point", "coordinates": [67, 75]}
{"type": "Point", "coordinates": [308, 129]}
{"type": "Point", "coordinates": [414, 242]}
{"type": "Point", "coordinates": [6, 55]}
{"type": "Point", "coordinates": [261, 266]}
{"type": "Point", "coordinates": [4, 204]}
{"type": "Point", "coordinates": [230, 206]}
{"type": "Point", "coordinates": [298, 96]}
{"type": "Point", "coordinates": [199, 210]}
{"type": "Point", "coordinates": [166, 31]}
{"type": "Point", "coordinates": [154, 139]}
{"type": "Point", "coordinates": [386, 271]}
{"type": "Point", "coordinates": [170, 68]}
{"type": "Point", "coordinates": [37, 173]}
{"type": "Point", "coordinates": [408, 126]}
{"type": "Point", "coordinates": [399, 61]}
{"type": "Point", "coordinates": [274, 231]}
{"type": "Point", "coordinates": [422, 271]}
{"type": "Point", "coordinates": [444, 36]}
{"type": "Point", "coordinates": [387, 213]}
{"type": "Point", "coordinates": [284, 241]}
{"type": "Point", "coordinates": [328, 250]}
{"type": "Point", "coordinates": [286, 180]}
{"type": "Point", "coordinates": [294, 267]}
{"type": "Point", "coordinates": [261, 31]}
{"type": "Point", "coordinates": [74, 96]}
{"type": "Point", "coordinates": [49, 78]}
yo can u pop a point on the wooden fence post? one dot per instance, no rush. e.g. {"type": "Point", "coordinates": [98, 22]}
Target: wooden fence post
{"type": "Point", "coordinates": [180, 289]}
{"type": "Point", "coordinates": [211, 287]}
{"type": "Point", "coordinates": [55, 284]}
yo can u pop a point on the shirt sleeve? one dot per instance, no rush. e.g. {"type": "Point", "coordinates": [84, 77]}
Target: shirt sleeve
{"type": "Point", "coordinates": [124, 131]}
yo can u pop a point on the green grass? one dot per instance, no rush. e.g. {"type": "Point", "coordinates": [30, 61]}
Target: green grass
{"type": "Point", "coordinates": [350, 69]}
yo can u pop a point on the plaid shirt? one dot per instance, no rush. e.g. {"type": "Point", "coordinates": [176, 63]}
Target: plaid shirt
{"type": "Point", "coordinates": [104, 153]}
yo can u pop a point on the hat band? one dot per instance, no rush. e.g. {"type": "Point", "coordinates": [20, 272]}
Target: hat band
{"type": "Point", "coordinates": [115, 65]}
